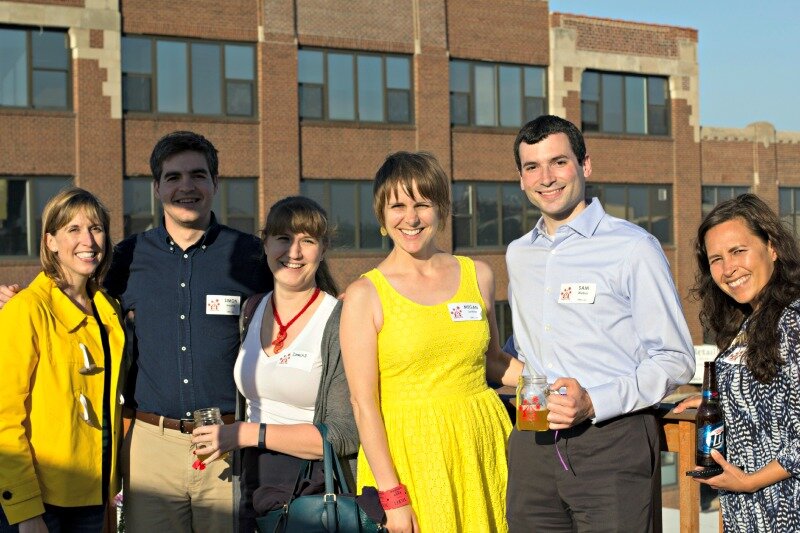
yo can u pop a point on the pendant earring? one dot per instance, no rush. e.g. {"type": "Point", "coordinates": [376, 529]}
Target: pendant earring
{"type": "Point", "coordinates": [384, 233]}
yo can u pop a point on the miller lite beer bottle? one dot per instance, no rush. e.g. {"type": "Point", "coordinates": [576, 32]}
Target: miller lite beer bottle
{"type": "Point", "coordinates": [710, 428]}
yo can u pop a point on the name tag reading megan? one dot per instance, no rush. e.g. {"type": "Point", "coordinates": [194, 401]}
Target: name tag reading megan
{"type": "Point", "coordinates": [460, 312]}
{"type": "Point", "coordinates": [217, 304]}
{"type": "Point", "coordinates": [577, 293]}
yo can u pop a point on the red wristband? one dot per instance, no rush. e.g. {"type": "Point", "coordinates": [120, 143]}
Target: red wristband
{"type": "Point", "coordinates": [394, 498]}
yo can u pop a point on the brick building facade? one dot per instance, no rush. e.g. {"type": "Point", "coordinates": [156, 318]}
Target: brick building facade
{"type": "Point", "coordinates": [311, 96]}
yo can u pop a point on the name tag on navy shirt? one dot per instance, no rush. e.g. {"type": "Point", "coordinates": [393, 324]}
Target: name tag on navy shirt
{"type": "Point", "coordinates": [297, 359]}
{"type": "Point", "coordinates": [218, 304]}
{"type": "Point", "coordinates": [460, 312]}
{"type": "Point", "coordinates": [577, 293]}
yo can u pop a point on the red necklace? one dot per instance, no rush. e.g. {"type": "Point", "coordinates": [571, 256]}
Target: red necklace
{"type": "Point", "coordinates": [278, 342]}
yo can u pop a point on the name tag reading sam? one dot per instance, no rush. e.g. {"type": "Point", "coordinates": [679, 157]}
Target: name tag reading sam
{"type": "Point", "coordinates": [299, 360]}
{"type": "Point", "coordinates": [217, 304]}
{"type": "Point", "coordinates": [577, 293]}
{"type": "Point", "coordinates": [460, 312]}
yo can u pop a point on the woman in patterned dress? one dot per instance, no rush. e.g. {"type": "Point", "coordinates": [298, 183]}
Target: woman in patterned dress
{"type": "Point", "coordinates": [418, 337]}
{"type": "Point", "coordinates": [749, 286]}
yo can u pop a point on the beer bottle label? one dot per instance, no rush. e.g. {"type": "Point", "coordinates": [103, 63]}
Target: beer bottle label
{"type": "Point", "coordinates": [711, 436]}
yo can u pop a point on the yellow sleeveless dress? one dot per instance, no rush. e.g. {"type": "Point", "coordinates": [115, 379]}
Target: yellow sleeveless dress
{"type": "Point", "coordinates": [447, 429]}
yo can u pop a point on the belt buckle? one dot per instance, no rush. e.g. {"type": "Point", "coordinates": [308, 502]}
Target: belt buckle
{"type": "Point", "coordinates": [183, 425]}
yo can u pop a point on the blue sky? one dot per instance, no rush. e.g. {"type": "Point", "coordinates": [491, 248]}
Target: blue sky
{"type": "Point", "coordinates": [749, 53]}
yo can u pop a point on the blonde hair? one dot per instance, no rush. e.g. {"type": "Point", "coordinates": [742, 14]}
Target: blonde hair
{"type": "Point", "coordinates": [403, 170]}
{"type": "Point", "coordinates": [58, 212]}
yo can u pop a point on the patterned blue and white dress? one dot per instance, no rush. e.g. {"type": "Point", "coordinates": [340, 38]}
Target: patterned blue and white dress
{"type": "Point", "coordinates": [762, 423]}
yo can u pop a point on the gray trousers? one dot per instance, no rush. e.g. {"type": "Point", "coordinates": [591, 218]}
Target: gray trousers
{"type": "Point", "coordinates": [609, 484]}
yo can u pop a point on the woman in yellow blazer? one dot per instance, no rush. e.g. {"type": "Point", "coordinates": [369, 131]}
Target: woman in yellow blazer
{"type": "Point", "coordinates": [59, 378]}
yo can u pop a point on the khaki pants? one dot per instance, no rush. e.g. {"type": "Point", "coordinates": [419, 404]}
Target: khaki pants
{"type": "Point", "coordinates": [162, 490]}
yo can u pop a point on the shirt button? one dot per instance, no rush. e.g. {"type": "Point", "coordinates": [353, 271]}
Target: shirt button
{"type": "Point", "coordinates": [549, 365]}
{"type": "Point", "coordinates": [183, 348]}
{"type": "Point", "coordinates": [554, 252]}
{"type": "Point", "coordinates": [183, 317]}
{"type": "Point", "coordinates": [183, 284]}
{"type": "Point", "coordinates": [547, 327]}
{"type": "Point", "coordinates": [548, 290]}
{"type": "Point", "coordinates": [186, 381]}
{"type": "Point", "coordinates": [203, 247]}
{"type": "Point", "coordinates": [188, 413]}
{"type": "Point", "coordinates": [185, 256]}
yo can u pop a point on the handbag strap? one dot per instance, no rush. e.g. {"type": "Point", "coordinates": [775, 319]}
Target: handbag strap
{"type": "Point", "coordinates": [328, 457]}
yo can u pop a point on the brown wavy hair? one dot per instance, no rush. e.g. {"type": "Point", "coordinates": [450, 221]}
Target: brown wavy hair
{"type": "Point", "coordinates": [721, 314]}
{"type": "Point", "coordinates": [298, 214]}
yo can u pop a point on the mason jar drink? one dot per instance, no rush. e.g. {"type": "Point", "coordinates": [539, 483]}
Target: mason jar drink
{"type": "Point", "coordinates": [532, 408]}
{"type": "Point", "coordinates": [208, 416]}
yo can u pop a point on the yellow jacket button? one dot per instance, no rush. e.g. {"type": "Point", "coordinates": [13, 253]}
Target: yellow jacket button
{"type": "Point", "coordinates": [7, 494]}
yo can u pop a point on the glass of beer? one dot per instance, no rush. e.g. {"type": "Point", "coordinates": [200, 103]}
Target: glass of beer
{"type": "Point", "coordinates": [532, 411]}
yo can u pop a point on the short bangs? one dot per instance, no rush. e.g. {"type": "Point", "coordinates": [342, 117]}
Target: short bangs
{"type": "Point", "coordinates": [400, 171]}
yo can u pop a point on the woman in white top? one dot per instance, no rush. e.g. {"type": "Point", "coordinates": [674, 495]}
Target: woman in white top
{"type": "Point", "coordinates": [289, 365]}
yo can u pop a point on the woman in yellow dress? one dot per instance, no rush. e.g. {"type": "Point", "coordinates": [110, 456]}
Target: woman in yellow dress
{"type": "Point", "coordinates": [418, 338]}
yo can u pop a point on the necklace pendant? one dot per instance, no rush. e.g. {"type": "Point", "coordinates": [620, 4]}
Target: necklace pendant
{"type": "Point", "coordinates": [279, 340]}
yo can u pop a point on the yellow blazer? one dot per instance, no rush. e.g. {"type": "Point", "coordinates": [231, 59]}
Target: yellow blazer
{"type": "Point", "coordinates": [48, 451]}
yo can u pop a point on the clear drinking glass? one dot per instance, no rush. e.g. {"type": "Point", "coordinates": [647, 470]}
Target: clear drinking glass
{"type": "Point", "coordinates": [532, 411]}
{"type": "Point", "coordinates": [208, 416]}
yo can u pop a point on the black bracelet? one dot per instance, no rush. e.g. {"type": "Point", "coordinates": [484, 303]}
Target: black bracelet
{"type": "Point", "coordinates": [262, 436]}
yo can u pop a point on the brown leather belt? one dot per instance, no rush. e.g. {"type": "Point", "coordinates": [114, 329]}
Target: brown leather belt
{"type": "Point", "coordinates": [183, 425]}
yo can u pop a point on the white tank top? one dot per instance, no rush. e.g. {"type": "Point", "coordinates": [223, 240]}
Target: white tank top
{"type": "Point", "coordinates": [282, 388]}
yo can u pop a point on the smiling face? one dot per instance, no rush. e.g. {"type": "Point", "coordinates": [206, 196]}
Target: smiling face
{"type": "Point", "coordinates": [79, 247]}
{"type": "Point", "coordinates": [186, 190]}
{"type": "Point", "coordinates": [741, 263]}
{"type": "Point", "coordinates": [553, 179]}
{"type": "Point", "coordinates": [293, 259]}
{"type": "Point", "coordinates": [411, 222]}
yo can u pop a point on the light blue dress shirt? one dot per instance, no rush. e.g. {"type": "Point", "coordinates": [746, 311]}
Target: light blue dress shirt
{"type": "Point", "coordinates": [631, 346]}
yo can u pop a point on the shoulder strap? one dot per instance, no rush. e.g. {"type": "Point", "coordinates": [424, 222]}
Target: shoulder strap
{"type": "Point", "coordinates": [248, 308]}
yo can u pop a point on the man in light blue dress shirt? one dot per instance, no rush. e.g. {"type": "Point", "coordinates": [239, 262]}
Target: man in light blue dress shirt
{"type": "Point", "coordinates": [595, 310]}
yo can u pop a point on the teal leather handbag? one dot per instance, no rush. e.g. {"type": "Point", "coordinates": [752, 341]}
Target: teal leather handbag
{"type": "Point", "coordinates": [332, 512]}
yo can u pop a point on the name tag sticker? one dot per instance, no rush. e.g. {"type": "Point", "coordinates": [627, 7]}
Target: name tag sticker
{"type": "Point", "coordinates": [300, 360]}
{"type": "Point", "coordinates": [577, 293]}
{"type": "Point", "coordinates": [218, 304]}
{"type": "Point", "coordinates": [461, 312]}
{"type": "Point", "coordinates": [735, 357]}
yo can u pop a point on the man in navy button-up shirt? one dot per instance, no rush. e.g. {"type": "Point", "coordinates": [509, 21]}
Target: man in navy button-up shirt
{"type": "Point", "coordinates": [185, 282]}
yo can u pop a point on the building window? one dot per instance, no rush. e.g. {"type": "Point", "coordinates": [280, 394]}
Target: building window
{"type": "Point", "coordinates": [502, 314]}
{"type": "Point", "coordinates": [188, 77]}
{"type": "Point", "coordinates": [623, 103]}
{"type": "Point", "coordinates": [714, 194]}
{"type": "Point", "coordinates": [349, 207]}
{"type": "Point", "coordinates": [359, 87]}
{"type": "Point", "coordinates": [22, 201]}
{"type": "Point", "coordinates": [234, 205]}
{"type": "Point", "coordinates": [34, 68]}
{"type": "Point", "coordinates": [495, 95]}
{"type": "Point", "coordinates": [648, 206]}
{"type": "Point", "coordinates": [490, 214]}
{"type": "Point", "coordinates": [789, 206]}
{"type": "Point", "coordinates": [140, 209]}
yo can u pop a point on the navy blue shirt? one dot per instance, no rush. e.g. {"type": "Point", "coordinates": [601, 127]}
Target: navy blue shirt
{"type": "Point", "coordinates": [186, 305]}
